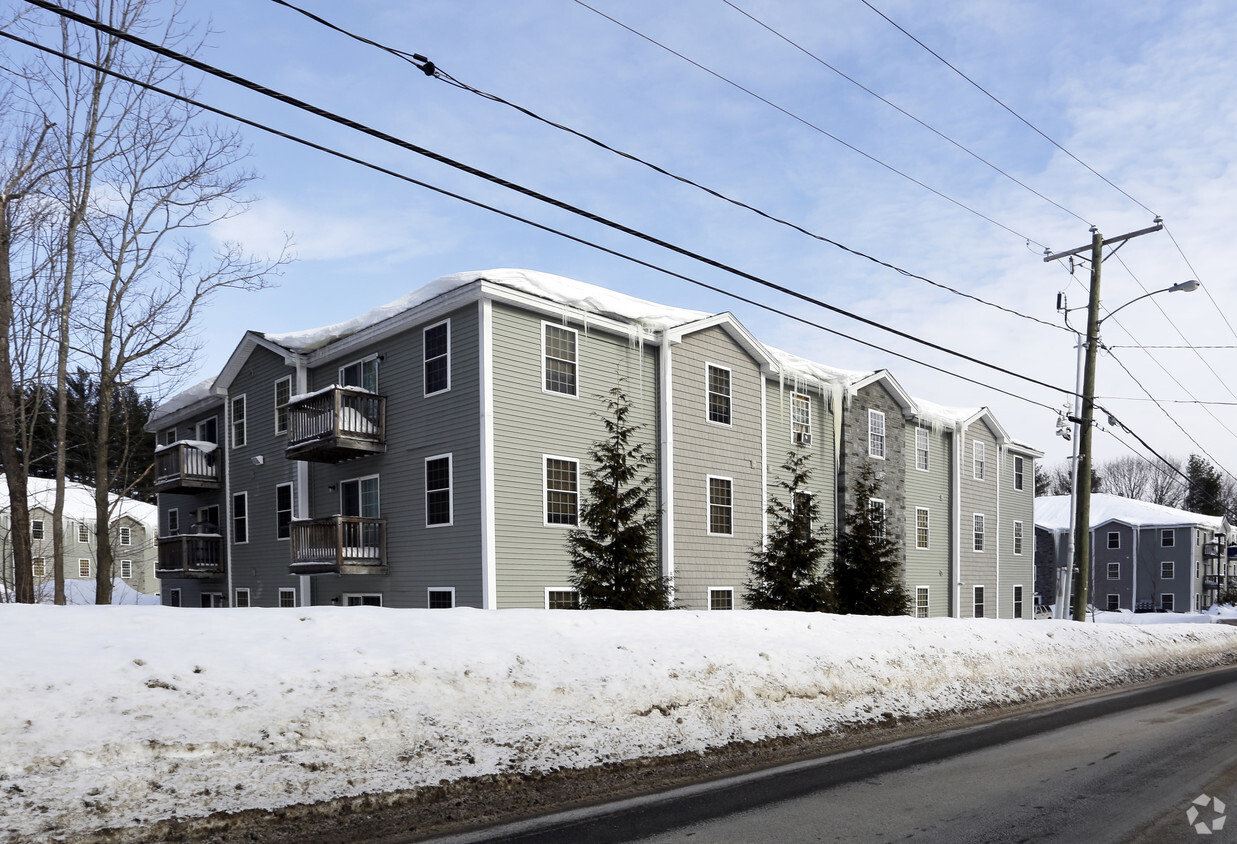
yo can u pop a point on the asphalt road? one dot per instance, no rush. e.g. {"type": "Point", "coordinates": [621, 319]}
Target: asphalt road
{"type": "Point", "coordinates": [1121, 768]}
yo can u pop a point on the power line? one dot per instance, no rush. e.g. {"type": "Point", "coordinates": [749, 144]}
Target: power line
{"type": "Point", "coordinates": [1206, 288]}
{"type": "Point", "coordinates": [434, 70]}
{"type": "Point", "coordinates": [551, 230]}
{"type": "Point", "coordinates": [810, 125]}
{"type": "Point", "coordinates": [411, 147]}
{"type": "Point", "coordinates": [993, 97]}
{"type": "Point", "coordinates": [898, 109]}
{"type": "Point", "coordinates": [534, 224]}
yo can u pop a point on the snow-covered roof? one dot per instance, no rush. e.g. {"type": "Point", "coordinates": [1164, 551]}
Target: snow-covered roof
{"type": "Point", "coordinates": [79, 502]}
{"type": "Point", "coordinates": [198, 392]}
{"type": "Point", "coordinates": [938, 414]}
{"type": "Point", "coordinates": [793, 365]}
{"type": "Point", "coordinates": [580, 295]}
{"type": "Point", "coordinates": [1052, 512]}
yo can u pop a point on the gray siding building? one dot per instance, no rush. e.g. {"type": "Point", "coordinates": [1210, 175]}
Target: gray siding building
{"type": "Point", "coordinates": [431, 453]}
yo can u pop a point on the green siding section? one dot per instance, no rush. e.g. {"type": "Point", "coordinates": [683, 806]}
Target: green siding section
{"type": "Point", "coordinates": [930, 489]}
{"type": "Point", "coordinates": [1017, 505]}
{"type": "Point", "coordinates": [979, 568]}
{"type": "Point", "coordinates": [530, 423]}
{"type": "Point", "coordinates": [702, 449]}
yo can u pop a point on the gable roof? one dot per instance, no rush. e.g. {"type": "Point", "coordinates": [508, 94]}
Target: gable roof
{"type": "Point", "coordinates": [79, 503]}
{"type": "Point", "coordinates": [1052, 512]}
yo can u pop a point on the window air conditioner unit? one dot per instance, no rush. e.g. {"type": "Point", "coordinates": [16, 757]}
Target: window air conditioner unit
{"type": "Point", "coordinates": [803, 438]}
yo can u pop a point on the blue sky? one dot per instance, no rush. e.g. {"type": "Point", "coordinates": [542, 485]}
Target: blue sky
{"type": "Point", "coordinates": [1141, 92]}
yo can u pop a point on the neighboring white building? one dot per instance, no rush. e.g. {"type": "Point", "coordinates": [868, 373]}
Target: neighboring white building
{"type": "Point", "coordinates": [133, 528]}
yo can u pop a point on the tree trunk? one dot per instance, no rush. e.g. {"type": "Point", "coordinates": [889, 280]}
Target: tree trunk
{"type": "Point", "coordinates": [14, 467]}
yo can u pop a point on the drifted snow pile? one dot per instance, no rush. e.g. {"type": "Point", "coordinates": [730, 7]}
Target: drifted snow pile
{"type": "Point", "coordinates": [118, 716]}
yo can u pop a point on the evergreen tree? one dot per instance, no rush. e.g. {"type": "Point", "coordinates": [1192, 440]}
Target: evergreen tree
{"type": "Point", "coordinates": [866, 577]}
{"type": "Point", "coordinates": [785, 574]}
{"type": "Point", "coordinates": [614, 553]}
{"type": "Point", "coordinates": [1205, 489]}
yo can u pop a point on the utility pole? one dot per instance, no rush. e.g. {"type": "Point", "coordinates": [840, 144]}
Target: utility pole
{"type": "Point", "coordinates": [1082, 466]}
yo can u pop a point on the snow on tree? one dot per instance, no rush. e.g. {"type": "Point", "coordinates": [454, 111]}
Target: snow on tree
{"type": "Point", "coordinates": [785, 574]}
{"type": "Point", "coordinates": [614, 551]}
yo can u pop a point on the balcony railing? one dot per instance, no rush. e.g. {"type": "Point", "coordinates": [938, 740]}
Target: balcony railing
{"type": "Point", "coordinates": [186, 466]}
{"type": "Point", "coordinates": [336, 424]}
{"type": "Point", "coordinates": [339, 545]}
{"type": "Point", "coordinates": [191, 555]}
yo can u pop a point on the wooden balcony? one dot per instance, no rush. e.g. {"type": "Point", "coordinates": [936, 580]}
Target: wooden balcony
{"type": "Point", "coordinates": [339, 545]}
{"type": "Point", "coordinates": [191, 555]}
{"type": "Point", "coordinates": [336, 424]}
{"type": "Point", "coordinates": [186, 467]}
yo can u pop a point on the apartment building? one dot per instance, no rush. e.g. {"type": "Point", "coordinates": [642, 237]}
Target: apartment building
{"type": "Point", "coordinates": [132, 528]}
{"type": "Point", "coordinates": [1143, 556]}
{"type": "Point", "coordinates": [429, 453]}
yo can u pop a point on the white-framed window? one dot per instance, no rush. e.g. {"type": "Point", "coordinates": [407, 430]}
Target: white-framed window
{"type": "Point", "coordinates": [978, 522]}
{"type": "Point", "coordinates": [38, 567]}
{"type": "Point", "coordinates": [1018, 473]}
{"type": "Point", "coordinates": [1168, 570]}
{"type": "Point", "coordinates": [1168, 538]}
{"type": "Point", "coordinates": [363, 599]}
{"type": "Point", "coordinates": [979, 460]}
{"type": "Point", "coordinates": [83, 568]}
{"type": "Point", "coordinates": [440, 597]}
{"type": "Point", "coordinates": [361, 373]}
{"type": "Point", "coordinates": [559, 360]}
{"type": "Point", "coordinates": [1017, 601]}
{"type": "Point", "coordinates": [359, 498]}
{"type": "Point", "coordinates": [210, 600]}
{"type": "Point", "coordinates": [208, 430]}
{"type": "Point", "coordinates": [800, 419]}
{"type": "Point", "coordinates": [287, 598]}
{"type": "Point", "coordinates": [1017, 537]}
{"type": "Point", "coordinates": [721, 598]}
{"type": "Point", "coordinates": [876, 513]}
{"type": "Point", "coordinates": [173, 597]}
{"type": "Point", "coordinates": [436, 345]}
{"type": "Point", "coordinates": [1114, 571]}
{"type": "Point", "coordinates": [717, 386]}
{"type": "Point", "coordinates": [439, 509]}
{"type": "Point", "coordinates": [1114, 602]}
{"type": "Point", "coordinates": [285, 503]}
{"type": "Point", "coordinates": [922, 528]}
{"type": "Point", "coordinates": [561, 486]}
{"type": "Point", "coordinates": [921, 602]}
{"type": "Point", "coordinates": [238, 421]}
{"type": "Point", "coordinates": [1166, 601]}
{"type": "Point", "coordinates": [283, 393]}
{"type": "Point", "coordinates": [561, 598]}
{"type": "Point", "coordinates": [168, 436]}
{"type": "Point", "coordinates": [242, 597]}
{"type": "Point", "coordinates": [240, 518]}
{"type": "Point", "coordinates": [126, 535]}
{"type": "Point", "coordinates": [977, 602]}
{"type": "Point", "coordinates": [36, 529]}
{"type": "Point", "coordinates": [126, 569]}
{"type": "Point", "coordinates": [876, 434]}
{"type": "Point", "coordinates": [1114, 539]}
{"type": "Point", "coordinates": [721, 506]}
{"type": "Point", "coordinates": [83, 532]}
{"type": "Point", "coordinates": [173, 521]}
{"type": "Point", "coordinates": [922, 446]}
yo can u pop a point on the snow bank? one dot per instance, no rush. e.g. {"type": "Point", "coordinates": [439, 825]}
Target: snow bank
{"type": "Point", "coordinates": [122, 716]}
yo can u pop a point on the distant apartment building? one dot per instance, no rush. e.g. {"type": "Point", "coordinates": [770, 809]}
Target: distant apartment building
{"type": "Point", "coordinates": [133, 530]}
{"type": "Point", "coordinates": [1143, 556]}
{"type": "Point", "coordinates": [430, 453]}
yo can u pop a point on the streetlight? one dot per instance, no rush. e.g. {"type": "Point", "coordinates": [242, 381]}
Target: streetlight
{"type": "Point", "coordinates": [1080, 493]}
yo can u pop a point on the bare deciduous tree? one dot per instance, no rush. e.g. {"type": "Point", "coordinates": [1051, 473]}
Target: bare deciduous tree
{"type": "Point", "coordinates": [142, 176]}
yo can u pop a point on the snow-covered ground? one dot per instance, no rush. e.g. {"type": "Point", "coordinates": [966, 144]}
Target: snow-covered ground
{"type": "Point", "coordinates": [118, 716]}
